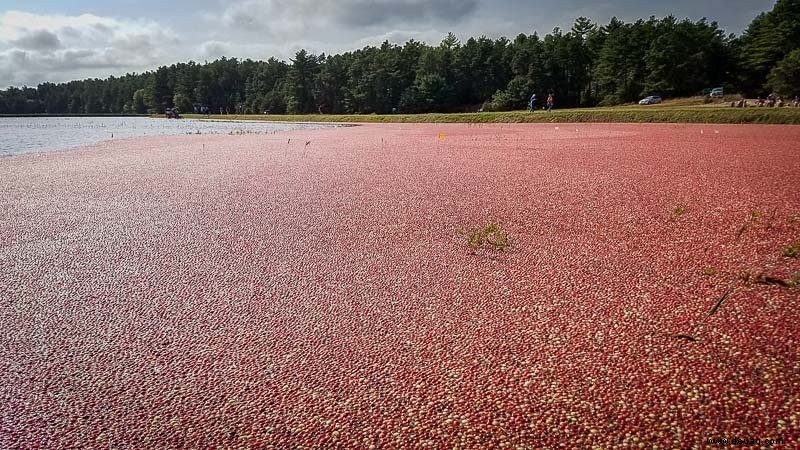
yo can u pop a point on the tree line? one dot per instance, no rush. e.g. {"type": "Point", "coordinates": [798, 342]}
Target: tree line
{"type": "Point", "coordinates": [588, 65]}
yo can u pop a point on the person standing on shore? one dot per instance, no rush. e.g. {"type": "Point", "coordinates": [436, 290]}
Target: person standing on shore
{"type": "Point", "coordinates": [533, 103]}
{"type": "Point", "coordinates": [550, 100]}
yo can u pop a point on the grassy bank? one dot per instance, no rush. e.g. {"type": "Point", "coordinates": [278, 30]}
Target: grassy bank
{"type": "Point", "coordinates": [626, 114]}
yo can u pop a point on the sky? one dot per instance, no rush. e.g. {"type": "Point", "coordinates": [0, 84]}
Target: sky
{"type": "Point", "coordinates": [57, 40]}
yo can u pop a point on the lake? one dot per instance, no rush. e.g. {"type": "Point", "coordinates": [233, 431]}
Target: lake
{"type": "Point", "coordinates": [38, 134]}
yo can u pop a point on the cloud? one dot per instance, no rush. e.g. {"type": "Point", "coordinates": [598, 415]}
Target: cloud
{"type": "Point", "coordinates": [431, 37]}
{"type": "Point", "coordinates": [278, 18]}
{"type": "Point", "coordinates": [289, 19]}
{"type": "Point", "coordinates": [72, 47]}
{"type": "Point", "coordinates": [41, 40]}
{"type": "Point", "coordinates": [362, 13]}
{"type": "Point", "coordinates": [17, 57]}
{"type": "Point", "coordinates": [214, 49]}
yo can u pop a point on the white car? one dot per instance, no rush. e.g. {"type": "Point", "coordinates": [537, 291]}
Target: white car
{"type": "Point", "coordinates": [651, 100]}
{"type": "Point", "coordinates": [716, 92]}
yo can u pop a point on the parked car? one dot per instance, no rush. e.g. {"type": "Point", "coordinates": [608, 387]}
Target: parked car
{"type": "Point", "coordinates": [716, 92]}
{"type": "Point", "coordinates": [651, 100]}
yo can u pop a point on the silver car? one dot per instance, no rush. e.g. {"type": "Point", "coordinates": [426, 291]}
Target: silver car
{"type": "Point", "coordinates": [651, 100]}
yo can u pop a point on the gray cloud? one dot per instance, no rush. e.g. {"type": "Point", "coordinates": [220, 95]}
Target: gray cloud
{"type": "Point", "coordinates": [102, 28]}
{"type": "Point", "coordinates": [77, 56]}
{"type": "Point", "coordinates": [41, 40]}
{"type": "Point", "coordinates": [137, 43]}
{"type": "Point", "coordinates": [270, 15]}
{"type": "Point", "coordinates": [18, 57]}
{"type": "Point", "coordinates": [280, 17]}
{"type": "Point", "coordinates": [214, 49]}
{"type": "Point", "coordinates": [70, 32]}
{"type": "Point", "coordinates": [363, 13]}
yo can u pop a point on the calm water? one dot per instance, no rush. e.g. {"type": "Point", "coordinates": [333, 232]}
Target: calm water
{"type": "Point", "coordinates": [36, 134]}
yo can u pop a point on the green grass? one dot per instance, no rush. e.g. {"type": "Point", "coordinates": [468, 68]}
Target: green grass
{"type": "Point", "coordinates": [490, 236]}
{"type": "Point", "coordinates": [621, 114]}
{"type": "Point", "coordinates": [794, 280]}
{"type": "Point", "coordinates": [679, 210]}
{"type": "Point", "coordinates": [792, 251]}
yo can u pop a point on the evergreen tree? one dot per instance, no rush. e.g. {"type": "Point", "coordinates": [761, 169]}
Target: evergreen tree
{"type": "Point", "coordinates": [300, 84]}
{"type": "Point", "coordinates": [768, 39]}
{"type": "Point", "coordinates": [784, 79]}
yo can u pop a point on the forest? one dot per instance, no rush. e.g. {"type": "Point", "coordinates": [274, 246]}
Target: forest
{"type": "Point", "coordinates": [589, 65]}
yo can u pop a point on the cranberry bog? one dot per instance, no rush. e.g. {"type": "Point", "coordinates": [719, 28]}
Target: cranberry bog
{"type": "Point", "coordinates": [346, 288]}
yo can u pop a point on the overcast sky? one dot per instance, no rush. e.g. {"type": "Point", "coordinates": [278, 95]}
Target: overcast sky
{"type": "Point", "coordinates": [57, 40]}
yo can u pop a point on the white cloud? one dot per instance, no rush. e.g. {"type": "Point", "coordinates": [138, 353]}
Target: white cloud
{"type": "Point", "coordinates": [67, 47]}
{"type": "Point", "coordinates": [431, 37]}
{"type": "Point", "coordinates": [214, 49]}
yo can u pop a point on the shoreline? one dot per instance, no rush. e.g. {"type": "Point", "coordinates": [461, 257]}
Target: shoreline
{"type": "Point", "coordinates": [41, 134]}
{"type": "Point", "coordinates": [2, 116]}
{"type": "Point", "coordinates": [622, 115]}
